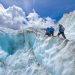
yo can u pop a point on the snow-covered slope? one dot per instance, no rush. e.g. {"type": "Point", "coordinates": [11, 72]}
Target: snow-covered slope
{"type": "Point", "coordinates": [33, 53]}
{"type": "Point", "coordinates": [68, 20]}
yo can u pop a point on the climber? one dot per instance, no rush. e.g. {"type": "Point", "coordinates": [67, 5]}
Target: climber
{"type": "Point", "coordinates": [50, 31]}
{"type": "Point", "coordinates": [61, 31]}
{"type": "Point", "coordinates": [47, 32]}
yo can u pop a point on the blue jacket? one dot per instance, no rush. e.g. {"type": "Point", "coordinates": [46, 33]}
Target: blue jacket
{"type": "Point", "coordinates": [60, 28]}
{"type": "Point", "coordinates": [51, 29]}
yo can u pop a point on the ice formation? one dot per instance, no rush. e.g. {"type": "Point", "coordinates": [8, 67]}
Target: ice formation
{"type": "Point", "coordinates": [68, 21]}
{"type": "Point", "coordinates": [29, 51]}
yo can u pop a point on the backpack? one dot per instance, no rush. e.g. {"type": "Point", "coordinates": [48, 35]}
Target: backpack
{"type": "Point", "coordinates": [63, 28]}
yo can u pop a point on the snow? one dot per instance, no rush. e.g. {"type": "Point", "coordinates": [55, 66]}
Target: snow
{"type": "Point", "coordinates": [34, 20]}
{"type": "Point", "coordinates": [28, 51]}
{"type": "Point", "coordinates": [11, 17]}
{"type": "Point", "coordinates": [34, 56]}
{"type": "Point", "coordinates": [15, 18]}
{"type": "Point", "coordinates": [68, 20]}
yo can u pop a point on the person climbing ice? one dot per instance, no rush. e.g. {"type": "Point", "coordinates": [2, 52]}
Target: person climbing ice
{"type": "Point", "coordinates": [47, 31]}
{"type": "Point", "coordinates": [61, 31]}
{"type": "Point", "coordinates": [50, 31]}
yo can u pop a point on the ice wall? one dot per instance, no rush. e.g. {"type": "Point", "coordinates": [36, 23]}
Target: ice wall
{"type": "Point", "coordinates": [68, 20]}
{"type": "Point", "coordinates": [36, 54]}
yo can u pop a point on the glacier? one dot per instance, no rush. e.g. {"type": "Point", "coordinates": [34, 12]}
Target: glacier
{"type": "Point", "coordinates": [30, 52]}
{"type": "Point", "coordinates": [26, 50]}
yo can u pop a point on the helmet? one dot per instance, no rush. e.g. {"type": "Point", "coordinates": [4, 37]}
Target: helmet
{"type": "Point", "coordinates": [60, 25]}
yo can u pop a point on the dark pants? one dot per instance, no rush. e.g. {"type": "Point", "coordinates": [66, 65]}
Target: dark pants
{"type": "Point", "coordinates": [50, 33]}
{"type": "Point", "coordinates": [62, 33]}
